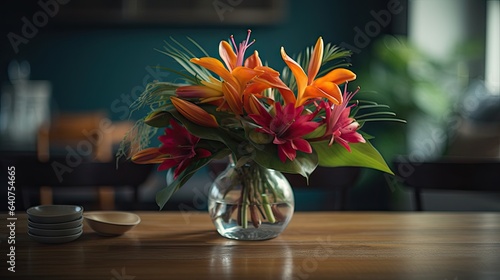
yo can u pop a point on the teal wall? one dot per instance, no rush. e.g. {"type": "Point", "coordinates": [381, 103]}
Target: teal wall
{"type": "Point", "coordinates": [101, 67]}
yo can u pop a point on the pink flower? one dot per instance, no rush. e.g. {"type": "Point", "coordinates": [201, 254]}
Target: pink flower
{"type": "Point", "coordinates": [287, 128]}
{"type": "Point", "coordinates": [340, 127]}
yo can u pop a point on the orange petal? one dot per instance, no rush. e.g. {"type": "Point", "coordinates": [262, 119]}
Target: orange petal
{"type": "Point", "coordinates": [197, 92]}
{"type": "Point", "coordinates": [216, 100]}
{"type": "Point", "coordinates": [268, 70]}
{"type": "Point", "coordinates": [327, 90]}
{"type": "Point", "coordinates": [194, 113]}
{"type": "Point", "coordinates": [256, 87]}
{"type": "Point", "coordinates": [333, 92]}
{"type": "Point", "coordinates": [298, 73]}
{"type": "Point", "coordinates": [316, 59]}
{"type": "Point", "coordinates": [253, 60]}
{"type": "Point", "coordinates": [252, 104]}
{"type": "Point", "coordinates": [233, 98]}
{"type": "Point", "coordinates": [148, 156]}
{"type": "Point", "coordinates": [338, 76]}
{"type": "Point", "coordinates": [245, 74]}
{"type": "Point", "coordinates": [213, 84]}
{"type": "Point", "coordinates": [215, 66]}
{"type": "Point", "coordinates": [271, 79]}
{"type": "Point", "coordinates": [227, 54]}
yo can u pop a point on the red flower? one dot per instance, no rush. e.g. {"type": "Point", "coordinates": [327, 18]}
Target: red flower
{"type": "Point", "coordinates": [180, 146]}
{"type": "Point", "coordinates": [178, 149]}
{"type": "Point", "coordinates": [286, 127]}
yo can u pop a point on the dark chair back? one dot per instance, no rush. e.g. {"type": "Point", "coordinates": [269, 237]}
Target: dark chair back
{"type": "Point", "coordinates": [32, 173]}
{"type": "Point", "coordinates": [449, 173]}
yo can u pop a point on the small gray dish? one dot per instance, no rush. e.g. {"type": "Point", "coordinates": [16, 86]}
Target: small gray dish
{"type": "Point", "coordinates": [49, 214]}
{"type": "Point", "coordinates": [55, 239]}
{"type": "Point", "coordinates": [66, 225]}
{"type": "Point", "coordinates": [55, 232]}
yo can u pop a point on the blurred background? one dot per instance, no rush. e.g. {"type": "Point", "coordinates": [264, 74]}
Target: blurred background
{"type": "Point", "coordinates": [77, 65]}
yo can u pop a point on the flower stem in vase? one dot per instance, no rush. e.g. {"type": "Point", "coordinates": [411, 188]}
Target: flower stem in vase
{"type": "Point", "coordinates": [255, 216]}
{"type": "Point", "coordinates": [242, 208]}
{"type": "Point", "coordinates": [277, 213]}
{"type": "Point", "coordinates": [267, 208]}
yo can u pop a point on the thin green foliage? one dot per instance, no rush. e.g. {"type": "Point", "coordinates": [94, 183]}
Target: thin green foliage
{"type": "Point", "coordinates": [336, 57]}
{"type": "Point", "coordinates": [136, 139]}
{"type": "Point", "coordinates": [182, 55]}
{"type": "Point", "coordinates": [157, 94]}
{"type": "Point", "coordinates": [373, 110]}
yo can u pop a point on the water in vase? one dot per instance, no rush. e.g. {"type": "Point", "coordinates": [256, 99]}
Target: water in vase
{"type": "Point", "coordinates": [250, 221]}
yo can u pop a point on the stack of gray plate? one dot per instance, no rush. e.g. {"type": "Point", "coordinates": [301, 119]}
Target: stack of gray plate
{"type": "Point", "coordinates": [55, 223]}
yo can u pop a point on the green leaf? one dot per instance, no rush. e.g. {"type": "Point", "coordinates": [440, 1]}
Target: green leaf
{"type": "Point", "coordinates": [361, 155]}
{"type": "Point", "coordinates": [232, 141]}
{"type": "Point", "coordinates": [304, 164]}
{"type": "Point", "coordinates": [158, 119]}
{"type": "Point", "coordinates": [164, 194]}
{"type": "Point", "coordinates": [318, 132]}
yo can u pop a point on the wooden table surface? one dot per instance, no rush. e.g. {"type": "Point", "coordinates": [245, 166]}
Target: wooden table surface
{"type": "Point", "coordinates": [316, 245]}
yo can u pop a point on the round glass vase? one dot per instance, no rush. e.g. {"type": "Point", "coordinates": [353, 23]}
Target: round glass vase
{"type": "Point", "coordinates": [250, 202]}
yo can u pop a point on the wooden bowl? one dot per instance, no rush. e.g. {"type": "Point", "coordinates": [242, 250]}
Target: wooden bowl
{"type": "Point", "coordinates": [111, 223]}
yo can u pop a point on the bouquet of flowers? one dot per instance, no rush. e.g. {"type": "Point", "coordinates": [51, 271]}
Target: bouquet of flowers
{"type": "Point", "coordinates": [237, 106]}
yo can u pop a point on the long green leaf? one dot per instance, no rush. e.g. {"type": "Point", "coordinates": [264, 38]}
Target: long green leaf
{"type": "Point", "coordinates": [166, 193]}
{"type": "Point", "coordinates": [361, 155]}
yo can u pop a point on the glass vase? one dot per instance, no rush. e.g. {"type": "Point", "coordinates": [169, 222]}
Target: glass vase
{"type": "Point", "coordinates": [250, 202]}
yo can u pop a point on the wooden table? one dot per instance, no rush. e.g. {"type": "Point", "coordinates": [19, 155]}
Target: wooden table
{"type": "Point", "coordinates": [321, 245]}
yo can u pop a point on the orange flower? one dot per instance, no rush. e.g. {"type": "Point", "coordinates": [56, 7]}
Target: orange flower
{"type": "Point", "coordinates": [240, 79]}
{"type": "Point", "coordinates": [194, 113]}
{"type": "Point", "coordinates": [269, 79]}
{"type": "Point", "coordinates": [226, 94]}
{"type": "Point", "coordinates": [149, 156]}
{"type": "Point", "coordinates": [323, 87]}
